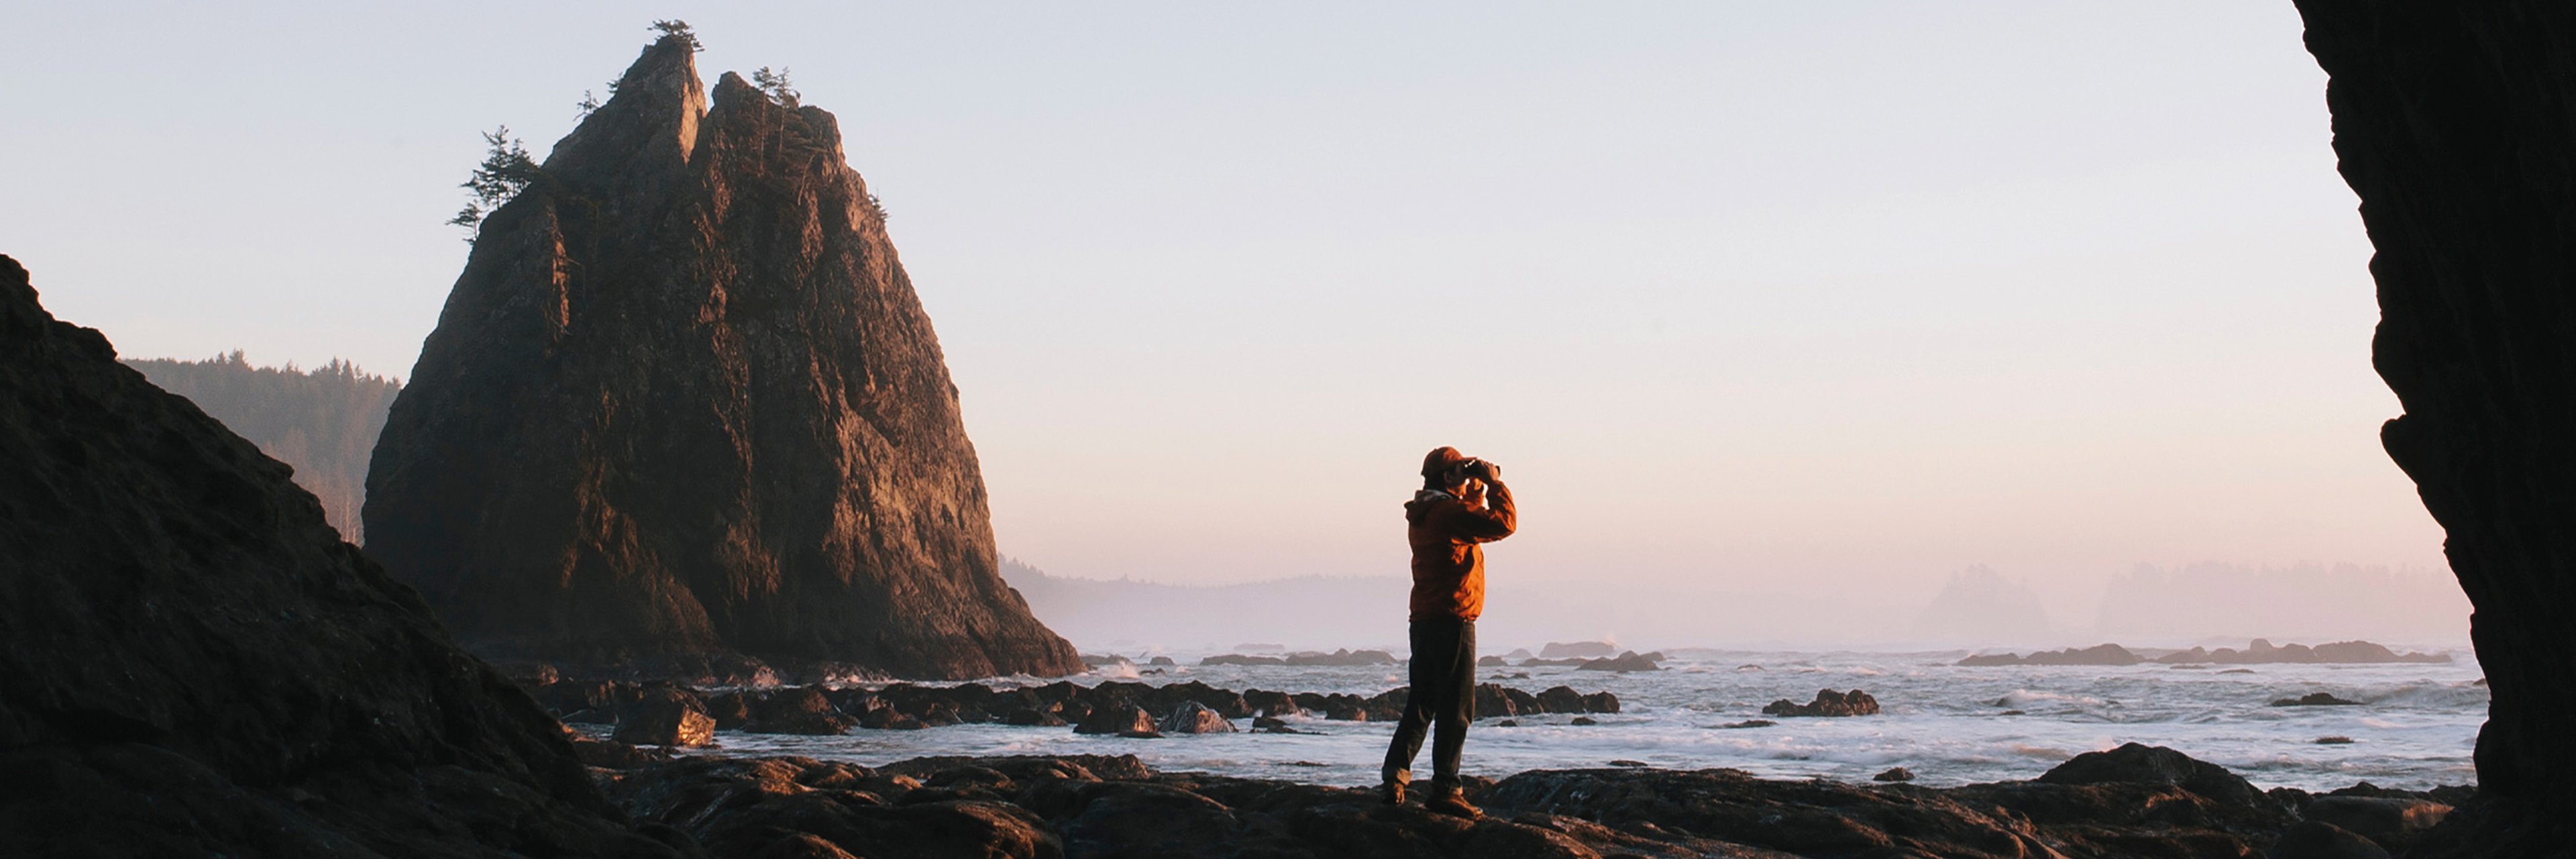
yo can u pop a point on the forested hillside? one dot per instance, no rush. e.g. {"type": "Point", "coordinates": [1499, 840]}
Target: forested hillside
{"type": "Point", "coordinates": [323, 421]}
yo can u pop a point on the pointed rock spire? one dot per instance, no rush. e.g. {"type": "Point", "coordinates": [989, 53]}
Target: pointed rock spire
{"type": "Point", "coordinates": [683, 401]}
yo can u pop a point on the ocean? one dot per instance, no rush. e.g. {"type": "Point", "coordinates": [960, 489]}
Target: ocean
{"type": "Point", "coordinates": [2416, 725]}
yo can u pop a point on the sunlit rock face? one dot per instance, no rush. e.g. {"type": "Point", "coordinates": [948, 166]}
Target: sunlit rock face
{"type": "Point", "coordinates": [2456, 125]}
{"type": "Point", "coordinates": [684, 400]}
{"type": "Point", "coordinates": [192, 663]}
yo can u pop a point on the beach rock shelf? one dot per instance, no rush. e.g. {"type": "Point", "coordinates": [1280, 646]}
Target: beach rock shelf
{"type": "Point", "coordinates": [2132, 801]}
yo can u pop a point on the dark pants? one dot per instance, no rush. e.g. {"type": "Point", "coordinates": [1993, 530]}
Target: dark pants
{"type": "Point", "coordinates": [1444, 693]}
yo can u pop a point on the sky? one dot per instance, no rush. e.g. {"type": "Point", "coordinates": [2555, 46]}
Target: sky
{"type": "Point", "coordinates": [1805, 299]}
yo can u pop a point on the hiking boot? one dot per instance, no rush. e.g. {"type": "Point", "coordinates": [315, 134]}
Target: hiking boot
{"type": "Point", "coordinates": [1392, 792]}
{"type": "Point", "coordinates": [1446, 799]}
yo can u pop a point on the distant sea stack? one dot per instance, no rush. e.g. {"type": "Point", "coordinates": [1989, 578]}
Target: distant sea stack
{"type": "Point", "coordinates": [2455, 123]}
{"type": "Point", "coordinates": [684, 401]}
{"type": "Point", "coordinates": [192, 663]}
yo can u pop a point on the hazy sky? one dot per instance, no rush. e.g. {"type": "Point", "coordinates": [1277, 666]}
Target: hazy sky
{"type": "Point", "coordinates": [1801, 297]}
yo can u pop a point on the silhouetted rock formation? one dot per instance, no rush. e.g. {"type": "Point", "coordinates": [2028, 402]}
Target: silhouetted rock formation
{"type": "Point", "coordinates": [2453, 128]}
{"type": "Point", "coordinates": [2100, 654]}
{"type": "Point", "coordinates": [193, 663]}
{"type": "Point", "coordinates": [1577, 650]}
{"type": "Point", "coordinates": [324, 422]}
{"type": "Point", "coordinates": [683, 400]}
{"type": "Point", "coordinates": [2452, 123]}
{"type": "Point", "coordinates": [2261, 651]}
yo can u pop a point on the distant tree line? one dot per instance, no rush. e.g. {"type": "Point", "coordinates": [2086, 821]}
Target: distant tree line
{"type": "Point", "coordinates": [323, 422]}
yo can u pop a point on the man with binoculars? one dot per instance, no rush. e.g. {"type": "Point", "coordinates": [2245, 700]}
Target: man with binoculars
{"type": "Point", "coordinates": [1462, 504]}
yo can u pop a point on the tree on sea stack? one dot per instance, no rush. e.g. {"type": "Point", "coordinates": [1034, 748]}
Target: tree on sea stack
{"type": "Point", "coordinates": [683, 401]}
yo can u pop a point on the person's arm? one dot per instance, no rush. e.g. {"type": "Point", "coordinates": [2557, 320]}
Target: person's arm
{"type": "Point", "coordinates": [1491, 522]}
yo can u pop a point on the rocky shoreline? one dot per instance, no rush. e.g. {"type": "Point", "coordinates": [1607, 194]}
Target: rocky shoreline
{"type": "Point", "coordinates": [664, 713]}
{"type": "Point", "coordinates": [2131, 801]}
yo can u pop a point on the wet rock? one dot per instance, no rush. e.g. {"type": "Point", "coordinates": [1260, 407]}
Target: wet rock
{"type": "Point", "coordinates": [1195, 718]}
{"type": "Point", "coordinates": [800, 710]}
{"type": "Point", "coordinates": [1750, 723]}
{"type": "Point", "coordinates": [2315, 699]}
{"type": "Point", "coordinates": [729, 709]}
{"type": "Point", "coordinates": [2390, 822]}
{"type": "Point", "coordinates": [2316, 840]}
{"type": "Point", "coordinates": [611, 754]}
{"type": "Point", "coordinates": [1583, 721]}
{"type": "Point", "coordinates": [1125, 720]}
{"type": "Point", "coordinates": [1340, 707]}
{"type": "Point", "coordinates": [2334, 740]}
{"type": "Point", "coordinates": [1270, 703]}
{"type": "Point", "coordinates": [1623, 663]}
{"type": "Point", "coordinates": [1894, 774]}
{"type": "Point", "coordinates": [1493, 699]}
{"type": "Point", "coordinates": [1828, 703]}
{"type": "Point", "coordinates": [890, 719]}
{"type": "Point", "coordinates": [1032, 717]}
{"type": "Point", "coordinates": [666, 716]}
{"type": "Point", "coordinates": [2143, 764]}
{"type": "Point", "coordinates": [1560, 699]}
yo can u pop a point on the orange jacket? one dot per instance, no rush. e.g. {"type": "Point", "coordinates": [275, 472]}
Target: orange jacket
{"type": "Point", "coordinates": [1448, 566]}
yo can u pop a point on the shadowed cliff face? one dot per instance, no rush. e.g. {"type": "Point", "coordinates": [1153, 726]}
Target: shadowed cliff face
{"type": "Point", "coordinates": [683, 400]}
{"type": "Point", "coordinates": [2456, 125]}
{"type": "Point", "coordinates": [193, 663]}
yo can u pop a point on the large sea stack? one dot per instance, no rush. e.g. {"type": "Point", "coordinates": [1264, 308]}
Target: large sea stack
{"type": "Point", "coordinates": [192, 663]}
{"type": "Point", "coordinates": [2456, 125]}
{"type": "Point", "coordinates": [684, 401]}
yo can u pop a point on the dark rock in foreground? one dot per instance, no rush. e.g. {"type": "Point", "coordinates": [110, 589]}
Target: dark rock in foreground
{"type": "Point", "coordinates": [1828, 703]}
{"type": "Point", "coordinates": [684, 401]}
{"type": "Point", "coordinates": [2150, 803]}
{"type": "Point", "coordinates": [193, 663]}
{"type": "Point", "coordinates": [2134, 763]}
